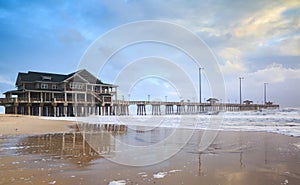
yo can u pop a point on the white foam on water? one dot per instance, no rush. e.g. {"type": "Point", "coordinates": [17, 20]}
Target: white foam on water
{"type": "Point", "coordinates": [285, 121]}
{"type": "Point", "coordinates": [118, 182]}
{"type": "Point", "coordinates": [159, 175]}
{"type": "Point", "coordinates": [13, 148]}
{"type": "Point", "coordinates": [297, 145]}
{"type": "Point", "coordinates": [174, 171]}
{"type": "Point", "coordinates": [285, 182]}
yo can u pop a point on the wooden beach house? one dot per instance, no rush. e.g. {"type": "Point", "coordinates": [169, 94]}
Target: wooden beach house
{"type": "Point", "coordinates": [48, 94]}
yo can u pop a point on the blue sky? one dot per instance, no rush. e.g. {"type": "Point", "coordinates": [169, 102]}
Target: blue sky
{"type": "Point", "coordinates": [259, 40]}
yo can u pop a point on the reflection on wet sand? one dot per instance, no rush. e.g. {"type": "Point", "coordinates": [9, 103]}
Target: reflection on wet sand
{"type": "Point", "coordinates": [113, 129]}
{"type": "Point", "coordinates": [91, 141]}
{"type": "Point", "coordinates": [233, 158]}
{"type": "Point", "coordinates": [135, 135]}
{"type": "Point", "coordinates": [75, 144]}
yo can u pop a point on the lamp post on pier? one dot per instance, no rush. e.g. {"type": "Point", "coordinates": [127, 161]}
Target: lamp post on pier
{"type": "Point", "coordinates": [265, 92]}
{"type": "Point", "coordinates": [241, 78]}
{"type": "Point", "coordinates": [200, 84]}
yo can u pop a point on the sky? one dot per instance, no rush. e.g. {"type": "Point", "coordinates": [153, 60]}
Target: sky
{"type": "Point", "coordinates": [258, 40]}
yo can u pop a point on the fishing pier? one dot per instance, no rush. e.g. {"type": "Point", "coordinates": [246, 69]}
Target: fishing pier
{"type": "Point", "coordinates": [82, 94]}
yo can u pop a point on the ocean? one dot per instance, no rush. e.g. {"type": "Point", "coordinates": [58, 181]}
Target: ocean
{"type": "Point", "coordinates": [283, 121]}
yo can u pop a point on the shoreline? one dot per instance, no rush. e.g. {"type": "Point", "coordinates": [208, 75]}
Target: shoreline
{"type": "Point", "coordinates": [251, 121]}
{"type": "Point", "coordinates": [11, 124]}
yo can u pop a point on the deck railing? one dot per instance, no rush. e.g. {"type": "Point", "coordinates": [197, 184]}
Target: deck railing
{"type": "Point", "coordinates": [7, 100]}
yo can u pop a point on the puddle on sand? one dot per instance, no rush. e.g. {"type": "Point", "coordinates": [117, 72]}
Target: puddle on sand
{"type": "Point", "coordinates": [72, 146]}
{"type": "Point", "coordinates": [76, 146]}
{"type": "Point", "coordinates": [60, 145]}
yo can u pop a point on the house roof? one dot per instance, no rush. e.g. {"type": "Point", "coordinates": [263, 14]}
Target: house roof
{"type": "Point", "coordinates": [32, 76]}
{"type": "Point", "coordinates": [212, 99]}
{"type": "Point", "coordinates": [13, 92]}
{"type": "Point", "coordinates": [39, 76]}
{"type": "Point", "coordinates": [86, 76]}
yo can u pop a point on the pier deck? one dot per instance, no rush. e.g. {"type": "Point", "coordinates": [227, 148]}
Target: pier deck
{"type": "Point", "coordinates": [56, 107]}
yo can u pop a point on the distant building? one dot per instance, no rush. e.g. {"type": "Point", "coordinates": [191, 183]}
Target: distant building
{"type": "Point", "coordinates": [47, 94]}
{"type": "Point", "coordinates": [212, 100]}
{"type": "Point", "coordinates": [247, 102]}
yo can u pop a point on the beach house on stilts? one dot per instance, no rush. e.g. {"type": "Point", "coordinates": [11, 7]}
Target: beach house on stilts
{"type": "Point", "coordinates": [47, 94]}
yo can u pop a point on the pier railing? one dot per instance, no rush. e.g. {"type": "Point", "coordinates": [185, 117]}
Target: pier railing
{"type": "Point", "coordinates": [164, 107]}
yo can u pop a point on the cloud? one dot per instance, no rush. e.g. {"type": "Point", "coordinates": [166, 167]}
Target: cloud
{"type": "Point", "coordinates": [269, 24]}
{"type": "Point", "coordinates": [274, 73]}
{"type": "Point", "coordinates": [230, 53]}
{"type": "Point", "coordinates": [233, 64]}
{"type": "Point", "coordinates": [289, 46]}
{"type": "Point", "coordinates": [283, 85]}
{"type": "Point", "coordinates": [261, 23]}
{"type": "Point", "coordinates": [232, 68]}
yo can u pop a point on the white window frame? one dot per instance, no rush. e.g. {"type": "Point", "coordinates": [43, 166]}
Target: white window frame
{"type": "Point", "coordinates": [75, 85]}
{"type": "Point", "coordinates": [44, 86]}
{"type": "Point", "coordinates": [54, 86]}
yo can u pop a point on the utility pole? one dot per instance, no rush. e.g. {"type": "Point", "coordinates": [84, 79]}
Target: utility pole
{"type": "Point", "coordinates": [148, 97]}
{"type": "Point", "coordinates": [265, 92]}
{"type": "Point", "coordinates": [241, 78]}
{"type": "Point", "coordinates": [200, 84]}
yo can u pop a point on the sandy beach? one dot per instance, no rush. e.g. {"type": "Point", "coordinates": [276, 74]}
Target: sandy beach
{"type": "Point", "coordinates": [49, 152]}
{"type": "Point", "coordinates": [20, 125]}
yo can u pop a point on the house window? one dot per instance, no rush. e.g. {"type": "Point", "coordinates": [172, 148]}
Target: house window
{"type": "Point", "coordinates": [75, 85]}
{"type": "Point", "coordinates": [89, 87]}
{"type": "Point", "coordinates": [44, 86]}
{"type": "Point", "coordinates": [54, 86]}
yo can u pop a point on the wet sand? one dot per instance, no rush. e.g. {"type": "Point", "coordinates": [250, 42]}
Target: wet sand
{"type": "Point", "coordinates": [233, 158]}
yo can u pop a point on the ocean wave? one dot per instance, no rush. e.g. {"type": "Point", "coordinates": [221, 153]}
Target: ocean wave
{"type": "Point", "coordinates": [284, 121]}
